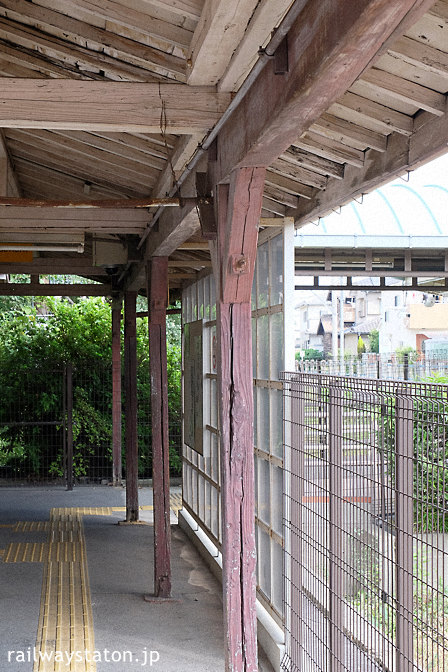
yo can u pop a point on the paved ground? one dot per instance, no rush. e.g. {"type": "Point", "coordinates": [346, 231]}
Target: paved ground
{"type": "Point", "coordinates": [74, 580]}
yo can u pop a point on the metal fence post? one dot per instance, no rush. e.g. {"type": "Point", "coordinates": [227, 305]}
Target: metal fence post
{"type": "Point", "coordinates": [335, 551]}
{"type": "Point", "coordinates": [404, 525]}
{"type": "Point", "coordinates": [297, 482]}
{"type": "Point", "coordinates": [69, 383]}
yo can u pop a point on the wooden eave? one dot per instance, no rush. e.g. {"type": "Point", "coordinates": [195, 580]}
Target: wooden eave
{"type": "Point", "coordinates": [389, 118]}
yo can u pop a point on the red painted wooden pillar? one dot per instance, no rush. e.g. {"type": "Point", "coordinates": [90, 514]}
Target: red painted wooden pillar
{"type": "Point", "coordinates": [234, 255]}
{"type": "Point", "coordinates": [116, 392]}
{"type": "Point", "coordinates": [130, 373]}
{"type": "Point", "coordinates": [157, 277]}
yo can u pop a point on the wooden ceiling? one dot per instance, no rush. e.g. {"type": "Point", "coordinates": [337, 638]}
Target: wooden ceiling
{"type": "Point", "coordinates": [136, 141]}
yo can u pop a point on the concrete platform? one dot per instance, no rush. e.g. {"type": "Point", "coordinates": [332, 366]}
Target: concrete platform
{"type": "Point", "coordinates": [73, 579]}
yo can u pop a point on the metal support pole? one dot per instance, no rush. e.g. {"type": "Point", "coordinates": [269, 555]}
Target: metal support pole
{"type": "Point", "coordinates": [157, 276]}
{"type": "Point", "coordinates": [116, 393]}
{"type": "Point", "coordinates": [404, 526]}
{"type": "Point", "coordinates": [297, 492]}
{"type": "Point", "coordinates": [69, 383]}
{"type": "Point", "coordinates": [336, 551]}
{"type": "Point", "coordinates": [130, 371]}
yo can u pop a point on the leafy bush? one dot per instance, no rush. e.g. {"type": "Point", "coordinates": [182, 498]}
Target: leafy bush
{"type": "Point", "coordinates": [33, 353]}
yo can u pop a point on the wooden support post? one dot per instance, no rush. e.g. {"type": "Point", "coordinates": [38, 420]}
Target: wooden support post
{"type": "Point", "coordinates": [234, 254]}
{"type": "Point", "coordinates": [157, 277]}
{"type": "Point", "coordinates": [130, 371]}
{"type": "Point", "coordinates": [116, 392]}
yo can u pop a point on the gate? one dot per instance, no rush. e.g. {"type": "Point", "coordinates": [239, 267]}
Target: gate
{"type": "Point", "coordinates": [366, 525]}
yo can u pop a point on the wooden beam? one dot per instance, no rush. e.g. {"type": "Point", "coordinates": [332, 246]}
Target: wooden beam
{"type": "Point", "coordinates": [130, 378]}
{"type": "Point", "coordinates": [234, 254]}
{"type": "Point", "coordinates": [116, 204]}
{"type": "Point", "coordinates": [157, 291]}
{"type": "Point", "coordinates": [116, 393]}
{"type": "Point", "coordinates": [257, 34]}
{"type": "Point", "coordinates": [330, 44]}
{"type": "Point", "coordinates": [109, 106]}
{"type": "Point", "coordinates": [9, 184]}
{"type": "Point", "coordinates": [222, 22]}
{"type": "Point", "coordinates": [349, 133]}
{"type": "Point", "coordinates": [10, 289]}
{"type": "Point", "coordinates": [407, 92]}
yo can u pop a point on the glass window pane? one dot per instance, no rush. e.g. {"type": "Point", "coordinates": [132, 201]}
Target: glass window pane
{"type": "Point", "coordinates": [263, 347]}
{"type": "Point", "coordinates": [276, 342]}
{"type": "Point", "coordinates": [263, 276]}
{"type": "Point", "coordinates": [276, 271]}
{"type": "Point", "coordinates": [263, 429]}
{"type": "Point", "coordinates": [277, 576]}
{"type": "Point", "coordinates": [277, 499]}
{"type": "Point", "coordinates": [264, 490]}
{"type": "Point", "coordinates": [276, 446]}
{"type": "Point", "coordinates": [264, 562]}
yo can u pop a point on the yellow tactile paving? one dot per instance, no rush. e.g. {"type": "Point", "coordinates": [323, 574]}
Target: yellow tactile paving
{"type": "Point", "coordinates": [31, 526]}
{"type": "Point", "coordinates": [65, 619]}
{"type": "Point", "coordinates": [65, 551]}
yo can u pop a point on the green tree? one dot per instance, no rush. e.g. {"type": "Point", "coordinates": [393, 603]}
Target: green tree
{"type": "Point", "coordinates": [33, 352]}
{"type": "Point", "coordinates": [374, 341]}
{"type": "Point", "coordinates": [361, 347]}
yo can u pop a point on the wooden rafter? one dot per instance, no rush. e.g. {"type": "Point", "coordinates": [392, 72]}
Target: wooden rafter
{"type": "Point", "coordinates": [329, 46]}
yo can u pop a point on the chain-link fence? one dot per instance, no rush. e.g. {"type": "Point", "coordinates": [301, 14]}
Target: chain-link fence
{"type": "Point", "coordinates": [400, 366]}
{"type": "Point", "coordinates": [366, 525]}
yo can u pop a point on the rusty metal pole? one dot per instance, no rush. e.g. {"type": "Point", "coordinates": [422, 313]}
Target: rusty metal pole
{"type": "Point", "coordinates": [130, 370]}
{"type": "Point", "coordinates": [404, 526]}
{"type": "Point", "coordinates": [116, 392]}
{"type": "Point", "coordinates": [157, 276]}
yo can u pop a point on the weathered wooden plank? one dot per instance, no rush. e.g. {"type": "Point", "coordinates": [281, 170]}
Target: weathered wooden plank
{"type": "Point", "coordinates": [311, 161]}
{"type": "Point", "coordinates": [371, 114]}
{"type": "Point", "coordinates": [258, 32]}
{"type": "Point", "coordinates": [330, 149]}
{"type": "Point", "coordinates": [292, 170]}
{"type": "Point", "coordinates": [222, 22]}
{"type": "Point", "coordinates": [103, 175]}
{"type": "Point", "coordinates": [63, 52]}
{"type": "Point", "coordinates": [405, 91]}
{"type": "Point", "coordinates": [56, 146]}
{"type": "Point", "coordinates": [288, 185]}
{"type": "Point", "coordinates": [423, 56]}
{"type": "Point", "coordinates": [46, 214]}
{"type": "Point", "coordinates": [157, 274]}
{"type": "Point", "coordinates": [141, 22]}
{"type": "Point", "coordinates": [110, 106]}
{"type": "Point", "coordinates": [130, 378]}
{"type": "Point", "coordinates": [329, 45]}
{"type": "Point", "coordinates": [280, 196]}
{"type": "Point", "coordinates": [116, 393]}
{"type": "Point", "coordinates": [109, 150]}
{"type": "Point", "coordinates": [42, 182]}
{"type": "Point", "coordinates": [182, 153]}
{"type": "Point", "coordinates": [349, 133]}
{"type": "Point", "coordinates": [98, 39]}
